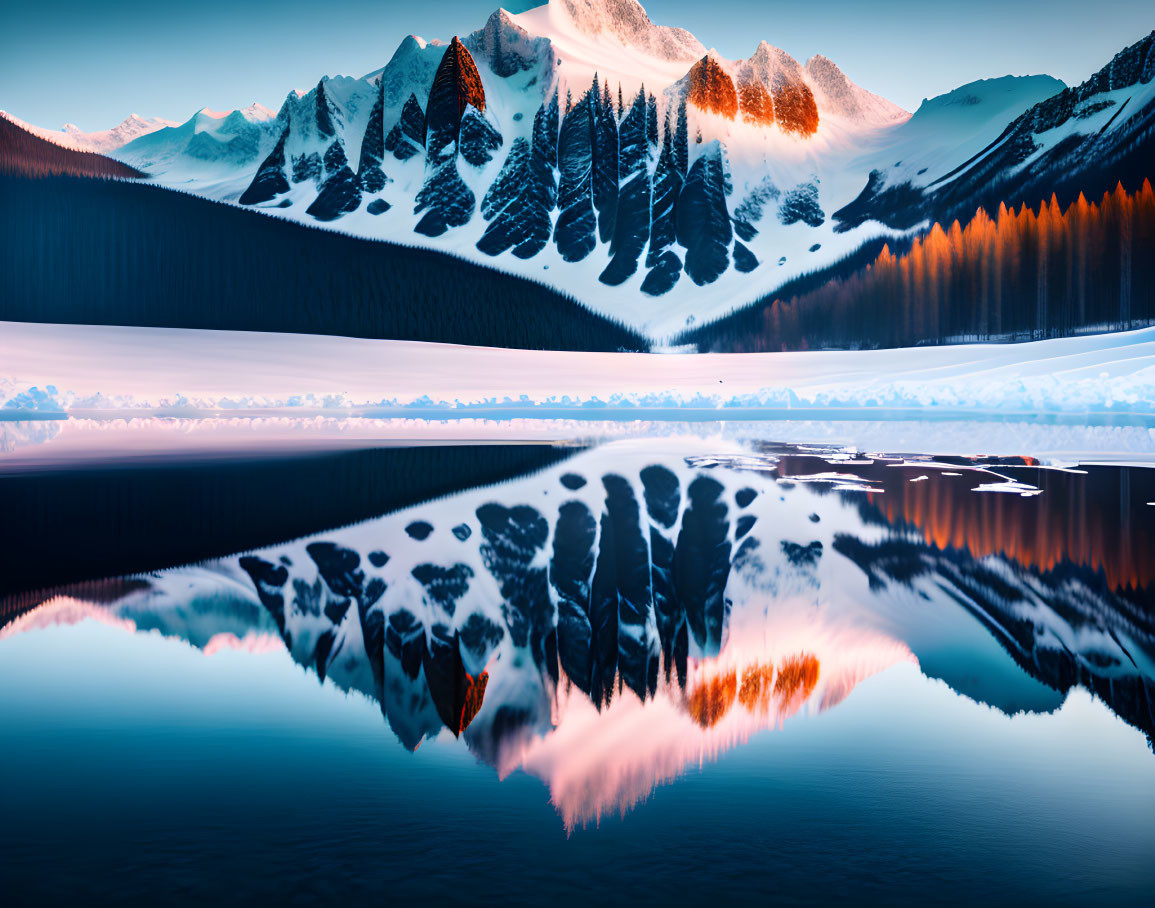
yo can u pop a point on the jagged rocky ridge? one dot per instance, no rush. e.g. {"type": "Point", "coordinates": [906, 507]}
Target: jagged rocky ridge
{"type": "Point", "coordinates": [513, 176]}
{"type": "Point", "coordinates": [591, 171]}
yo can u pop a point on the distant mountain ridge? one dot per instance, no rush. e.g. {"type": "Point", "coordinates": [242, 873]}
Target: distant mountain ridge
{"type": "Point", "coordinates": [1078, 140]}
{"type": "Point", "coordinates": [25, 154]}
{"type": "Point", "coordinates": [102, 141]}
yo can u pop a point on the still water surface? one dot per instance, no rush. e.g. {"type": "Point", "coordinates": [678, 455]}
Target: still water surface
{"type": "Point", "coordinates": [645, 670]}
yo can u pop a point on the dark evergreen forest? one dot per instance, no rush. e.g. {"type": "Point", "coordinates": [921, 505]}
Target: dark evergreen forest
{"type": "Point", "coordinates": [111, 252]}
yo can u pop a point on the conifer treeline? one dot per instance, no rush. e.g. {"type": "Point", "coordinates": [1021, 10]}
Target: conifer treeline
{"type": "Point", "coordinates": [1021, 275]}
{"type": "Point", "coordinates": [84, 251]}
{"type": "Point", "coordinates": [25, 154]}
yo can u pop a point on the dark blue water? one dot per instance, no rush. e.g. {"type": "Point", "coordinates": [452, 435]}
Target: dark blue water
{"type": "Point", "coordinates": [958, 703]}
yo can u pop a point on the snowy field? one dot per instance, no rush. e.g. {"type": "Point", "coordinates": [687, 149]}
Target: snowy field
{"type": "Point", "coordinates": [86, 370]}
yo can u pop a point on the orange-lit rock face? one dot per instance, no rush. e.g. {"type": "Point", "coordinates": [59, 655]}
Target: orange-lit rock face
{"type": "Point", "coordinates": [711, 700]}
{"type": "Point", "coordinates": [457, 67]}
{"type": "Point", "coordinates": [474, 697]}
{"type": "Point", "coordinates": [756, 103]}
{"type": "Point", "coordinates": [711, 89]}
{"type": "Point", "coordinates": [795, 109]}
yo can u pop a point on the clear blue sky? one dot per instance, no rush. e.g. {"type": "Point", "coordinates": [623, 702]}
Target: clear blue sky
{"type": "Point", "coordinates": [94, 63]}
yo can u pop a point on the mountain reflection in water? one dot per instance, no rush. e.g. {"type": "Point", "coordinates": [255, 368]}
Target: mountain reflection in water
{"type": "Point", "coordinates": [631, 611]}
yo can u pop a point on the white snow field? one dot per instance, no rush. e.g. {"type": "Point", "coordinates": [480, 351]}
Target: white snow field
{"type": "Point", "coordinates": [80, 368]}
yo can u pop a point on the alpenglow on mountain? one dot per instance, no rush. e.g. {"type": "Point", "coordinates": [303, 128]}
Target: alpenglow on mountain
{"type": "Point", "coordinates": [580, 145]}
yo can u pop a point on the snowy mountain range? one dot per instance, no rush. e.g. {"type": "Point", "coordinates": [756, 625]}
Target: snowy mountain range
{"type": "Point", "coordinates": [104, 141]}
{"type": "Point", "coordinates": [580, 145]}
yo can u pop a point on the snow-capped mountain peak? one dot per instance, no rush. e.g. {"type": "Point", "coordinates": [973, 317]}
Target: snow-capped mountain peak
{"type": "Point", "coordinates": [628, 22]}
{"type": "Point", "coordinates": [256, 112]}
{"type": "Point", "coordinates": [837, 94]}
{"type": "Point", "coordinates": [102, 141]}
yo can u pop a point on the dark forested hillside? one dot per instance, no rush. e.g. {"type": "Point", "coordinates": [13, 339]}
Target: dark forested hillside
{"type": "Point", "coordinates": [23, 154]}
{"type": "Point", "coordinates": [1021, 275]}
{"type": "Point", "coordinates": [85, 251]}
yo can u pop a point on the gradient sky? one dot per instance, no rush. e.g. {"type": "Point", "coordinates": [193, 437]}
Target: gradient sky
{"type": "Point", "coordinates": [93, 64]}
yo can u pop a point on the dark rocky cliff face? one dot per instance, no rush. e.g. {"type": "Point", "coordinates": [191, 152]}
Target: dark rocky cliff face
{"type": "Point", "coordinates": [454, 126]}
{"type": "Point", "coordinates": [456, 85]}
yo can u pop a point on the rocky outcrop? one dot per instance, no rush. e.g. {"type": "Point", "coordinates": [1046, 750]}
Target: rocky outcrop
{"type": "Point", "coordinates": [270, 180]}
{"type": "Point", "coordinates": [453, 123]}
{"type": "Point", "coordinates": [570, 571]}
{"type": "Point", "coordinates": [574, 232]}
{"type": "Point", "coordinates": [634, 203]}
{"type": "Point", "coordinates": [519, 202]}
{"type": "Point", "coordinates": [744, 260]}
{"type": "Point", "coordinates": [605, 161]}
{"type": "Point", "coordinates": [773, 89]}
{"type": "Point", "coordinates": [702, 219]}
{"type": "Point", "coordinates": [506, 46]}
{"type": "Point", "coordinates": [407, 137]}
{"type": "Point", "coordinates": [794, 108]}
{"type": "Point", "coordinates": [341, 191]}
{"type": "Point", "coordinates": [370, 174]}
{"type": "Point", "coordinates": [663, 504]}
{"type": "Point", "coordinates": [637, 647]}
{"type": "Point", "coordinates": [456, 85]}
{"type": "Point", "coordinates": [755, 103]}
{"type": "Point", "coordinates": [801, 204]}
{"type": "Point", "coordinates": [664, 264]}
{"type": "Point", "coordinates": [323, 116]}
{"type": "Point", "coordinates": [477, 140]}
{"type": "Point", "coordinates": [445, 199]}
{"type": "Point", "coordinates": [512, 538]}
{"type": "Point", "coordinates": [752, 208]}
{"type": "Point", "coordinates": [702, 563]}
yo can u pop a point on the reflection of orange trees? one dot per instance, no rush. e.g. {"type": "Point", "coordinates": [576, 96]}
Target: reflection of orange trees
{"type": "Point", "coordinates": [757, 684]}
{"type": "Point", "coordinates": [796, 679]}
{"type": "Point", "coordinates": [1077, 520]}
{"type": "Point", "coordinates": [1025, 273]}
{"type": "Point", "coordinates": [712, 699]}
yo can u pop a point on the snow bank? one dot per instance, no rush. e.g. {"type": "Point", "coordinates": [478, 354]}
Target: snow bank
{"type": "Point", "coordinates": [189, 372]}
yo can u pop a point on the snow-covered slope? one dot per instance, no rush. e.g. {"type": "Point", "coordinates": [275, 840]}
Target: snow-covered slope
{"type": "Point", "coordinates": [956, 126]}
{"type": "Point", "coordinates": [210, 144]}
{"type": "Point", "coordinates": [582, 145]}
{"type": "Point", "coordinates": [103, 141]}
{"type": "Point", "coordinates": [1081, 139]}
{"type": "Point", "coordinates": [509, 192]}
{"type": "Point", "coordinates": [62, 368]}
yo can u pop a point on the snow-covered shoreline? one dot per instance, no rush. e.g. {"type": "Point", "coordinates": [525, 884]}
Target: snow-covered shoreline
{"type": "Point", "coordinates": [84, 369]}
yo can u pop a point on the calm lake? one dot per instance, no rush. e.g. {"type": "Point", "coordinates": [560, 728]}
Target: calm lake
{"type": "Point", "coordinates": [648, 669]}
